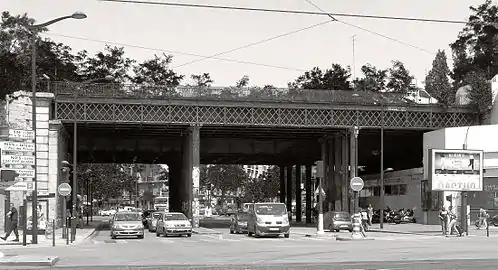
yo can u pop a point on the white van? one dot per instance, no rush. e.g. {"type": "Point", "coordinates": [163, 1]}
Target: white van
{"type": "Point", "coordinates": [267, 219]}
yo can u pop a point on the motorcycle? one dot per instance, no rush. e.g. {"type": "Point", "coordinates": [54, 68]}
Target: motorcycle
{"type": "Point", "coordinates": [393, 217]}
{"type": "Point", "coordinates": [407, 216]}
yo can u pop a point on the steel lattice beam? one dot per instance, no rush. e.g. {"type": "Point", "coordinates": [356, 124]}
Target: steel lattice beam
{"type": "Point", "coordinates": [415, 117]}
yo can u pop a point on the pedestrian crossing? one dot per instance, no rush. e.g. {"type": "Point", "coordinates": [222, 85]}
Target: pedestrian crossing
{"type": "Point", "coordinates": [212, 239]}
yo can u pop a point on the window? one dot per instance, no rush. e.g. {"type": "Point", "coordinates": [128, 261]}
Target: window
{"type": "Point", "coordinates": [402, 189]}
{"type": "Point", "coordinates": [387, 190]}
{"type": "Point", "coordinates": [395, 190]}
{"type": "Point", "coordinates": [376, 191]}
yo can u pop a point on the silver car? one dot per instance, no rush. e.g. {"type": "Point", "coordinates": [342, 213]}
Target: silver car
{"type": "Point", "coordinates": [126, 224]}
{"type": "Point", "coordinates": [173, 224]}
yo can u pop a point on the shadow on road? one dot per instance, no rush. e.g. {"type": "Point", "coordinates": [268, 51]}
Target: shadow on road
{"type": "Point", "coordinates": [212, 223]}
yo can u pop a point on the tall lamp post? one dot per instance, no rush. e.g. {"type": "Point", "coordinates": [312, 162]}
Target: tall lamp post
{"type": "Point", "coordinates": [34, 29]}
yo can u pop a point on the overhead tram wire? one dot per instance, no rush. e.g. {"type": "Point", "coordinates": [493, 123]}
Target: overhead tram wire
{"type": "Point", "coordinates": [176, 52]}
{"type": "Point", "coordinates": [373, 32]}
{"type": "Point", "coordinates": [256, 43]}
{"type": "Point", "coordinates": [283, 11]}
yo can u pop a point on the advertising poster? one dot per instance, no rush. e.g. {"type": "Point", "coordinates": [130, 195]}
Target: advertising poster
{"type": "Point", "coordinates": [42, 215]}
{"type": "Point", "coordinates": [456, 170]}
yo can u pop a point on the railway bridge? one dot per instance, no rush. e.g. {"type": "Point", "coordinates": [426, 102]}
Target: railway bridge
{"type": "Point", "coordinates": [188, 126]}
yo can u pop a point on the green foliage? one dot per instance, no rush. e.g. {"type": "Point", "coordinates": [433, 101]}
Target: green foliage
{"type": "Point", "coordinates": [243, 82]}
{"type": "Point", "coordinates": [202, 80]}
{"type": "Point", "coordinates": [336, 78]}
{"type": "Point", "coordinates": [400, 79]}
{"type": "Point", "coordinates": [475, 47]}
{"type": "Point", "coordinates": [264, 188]}
{"type": "Point", "coordinates": [374, 79]}
{"type": "Point", "coordinates": [156, 71]}
{"type": "Point", "coordinates": [480, 95]}
{"type": "Point", "coordinates": [437, 82]}
{"type": "Point", "coordinates": [108, 181]}
{"type": "Point", "coordinates": [226, 178]}
{"type": "Point", "coordinates": [110, 62]}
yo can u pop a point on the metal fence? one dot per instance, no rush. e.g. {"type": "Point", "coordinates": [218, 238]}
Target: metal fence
{"type": "Point", "coordinates": [255, 94]}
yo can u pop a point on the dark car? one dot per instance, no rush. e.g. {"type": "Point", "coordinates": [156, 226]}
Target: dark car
{"type": "Point", "coordinates": [238, 223]}
{"type": "Point", "coordinates": [494, 220]}
{"type": "Point", "coordinates": [146, 215]}
{"type": "Point", "coordinates": [336, 221]}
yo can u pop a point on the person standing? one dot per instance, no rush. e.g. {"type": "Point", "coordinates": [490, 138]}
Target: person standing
{"type": "Point", "coordinates": [443, 216]}
{"type": "Point", "coordinates": [370, 214]}
{"type": "Point", "coordinates": [12, 217]}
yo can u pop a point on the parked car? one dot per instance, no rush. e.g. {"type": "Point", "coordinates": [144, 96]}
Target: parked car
{"type": "Point", "coordinates": [336, 221]}
{"type": "Point", "coordinates": [127, 223]}
{"type": "Point", "coordinates": [238, 222]}
{"type": "Point", "coordinates": [494, 220]}
{"type": "Point", "coordinates": [173, 224]}
{"type": "Point", "coordinates": [152, 225]}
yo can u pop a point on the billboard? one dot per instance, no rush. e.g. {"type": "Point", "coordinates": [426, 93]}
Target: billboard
{"type": "Point", "coordinates": [456, 170]}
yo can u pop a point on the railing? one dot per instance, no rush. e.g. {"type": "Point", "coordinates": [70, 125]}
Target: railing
{"type": "Point", "coordinates": [114, 90]}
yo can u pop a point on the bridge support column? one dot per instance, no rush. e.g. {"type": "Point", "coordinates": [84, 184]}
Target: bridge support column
{"type": "Point", "coordinates": [289, 189]}
{"type": "Point", "coordinates": [175, 180]}
{"type": "Point", "coordinates": [282, 184]}
{"type": "Point", "coordinates": [196, 172]}
{"type": "Point", "coordinates": [337, 171]}
{"type": "Point", "coordinates": [298, 193]}
{"type": "Point", "coordinates": [353, 142]}
{"type": "Point", "coordinates": [191, 174]}
{"type": "Point", "coordinates": [309, 192]}
{"type": "Point", "coordinates": [330, 175]}
{"type": "Point", "coordinates": [186, 183]}
{"type": "Point", "coordinates": [345, 172]}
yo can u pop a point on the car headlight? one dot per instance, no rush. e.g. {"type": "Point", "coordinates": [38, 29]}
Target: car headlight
{"type": "Point", "coordinates": [141, 226]}
{"type": "Point", "coordinates": [115, 227]}
{"type": "Point", "coordinates": [259, 220]}
{"type": "Point", "coordinates": [286, 220]}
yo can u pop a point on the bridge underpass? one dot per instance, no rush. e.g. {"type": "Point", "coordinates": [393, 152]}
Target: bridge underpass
{"type": "Point", "coordinates": [289, 148]}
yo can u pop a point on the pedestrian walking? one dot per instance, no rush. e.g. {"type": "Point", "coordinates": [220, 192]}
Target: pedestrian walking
{"type": "Point", "coordinates": [453, 226]}
{"type": "Point", "coordinates": [443, 217]}
{"type": "Point", "coordinates": [12, 218]}
{"type": "Point", "coordinates": [483, 218]}
{"type": "Point", "coordinates": [370, 212]}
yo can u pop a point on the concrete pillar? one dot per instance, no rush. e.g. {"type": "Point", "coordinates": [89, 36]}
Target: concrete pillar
{"type": "Point", "coordinates": [353, 159]}
{"type": "Point", "coordinates": [289, 188]}
{"type": "Point", "coordinates": [186, 182]}
{"type": "Point", "coordinates": [337, 171]}
{"type": "Point", "coordinates": [309, 192]}
{"type": "Point", "coordinates": [196, 172]}
{"type": "Point", "coordinates": [298, 193]}
{"type": "Point", "coordinates": [282, 184]}
{"type": "Point", "coordinates": [175, 172]}
{"type": "Point", "coordinates": [330, 175]}
{"type": "Point", "coordinates": [345, 172]}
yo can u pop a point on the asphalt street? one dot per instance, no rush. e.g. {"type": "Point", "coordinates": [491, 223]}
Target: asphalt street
{"type": "Point", "coordinates": [226, 251]}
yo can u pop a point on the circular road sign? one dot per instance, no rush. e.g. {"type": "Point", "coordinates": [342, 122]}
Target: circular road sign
{"type": "Point", "coordinates": [64, 189]}
{"type": "Point", "coordinates": [356, 184]}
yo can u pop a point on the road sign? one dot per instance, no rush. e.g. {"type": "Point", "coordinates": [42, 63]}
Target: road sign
{"type": "Point", "coordinates": [21, 186]}
{"type": "Point", "coordinates": [21, 134]}
{"type": "Point", "coordinates": [17, 146]}
{"type": "Point", "coordinates": [356, 184]}
{"type": "Point", "coordinates": [64, 189]}
{"type": "Point", "coordinates": [24, 173]}
{"type": "Point", "coordinates": [22, 160]}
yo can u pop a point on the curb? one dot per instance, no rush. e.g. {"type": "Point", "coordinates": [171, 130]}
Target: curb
{"type": "Point", "coordinates": [51, 261]}
{"type": "Point", "coordinates": [400, 232]}
{"type": "Point", "coordinates": [353, 239]}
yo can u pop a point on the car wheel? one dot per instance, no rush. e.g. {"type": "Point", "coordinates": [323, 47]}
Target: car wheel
{"type": "Point", "coordinates": [287, 235]}
{"type": "Point", "coordinates": [249, 233]}
{"type": "Point", "coordinates": [140, 237]}
{"type": "Point", "coordinates": [113, 237]}
{"type": "Point", "coordinates": [337, 230]}
{"type": "Point", "coordinates": [350, 230]}
{"type": "Point", "coordinates": [331, 228]}
{"type": "Point", "coordinates": [158, 233]}
{"type": "Point", "coordinates": [231, 231]}
{"type": "Point", "coordinates": [189, 235]}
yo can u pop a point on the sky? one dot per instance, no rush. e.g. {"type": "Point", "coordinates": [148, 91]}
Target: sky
{"type": "Point", "coordinates": [181, 32]}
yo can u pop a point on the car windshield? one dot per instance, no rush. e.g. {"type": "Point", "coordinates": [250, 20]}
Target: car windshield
{"type": "Point", "coordinates": [270, 209]}
{"type": "Point", "coordinates": [175, 217]}
{"type": "Point", "coordinates": [341, 215]}
{"type": "Point", "coordinates": [243, 216]}
{"type": "Point", "coordinates": [127, 217]}
{"type": "Point", "coordinates": [156, 215]}
{"type": "Point", "coordinates": [161, 200]}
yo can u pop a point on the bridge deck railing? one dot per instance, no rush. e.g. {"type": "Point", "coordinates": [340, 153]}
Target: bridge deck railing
{"type": "Point", "coordinates": [254, 94]}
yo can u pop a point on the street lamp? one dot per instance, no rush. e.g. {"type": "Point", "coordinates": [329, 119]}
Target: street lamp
{"type": "Point", "coordinates": [33, 29]}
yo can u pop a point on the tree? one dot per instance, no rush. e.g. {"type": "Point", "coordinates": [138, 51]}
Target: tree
{"type": "Point", "coordinates": [374, 79]}
{"type": "Point", "coordinates": [243, 82]}
{"type": "Point", "coordinates": [202, 80]}
{"type": "Point", "coordinates": [400, 79]}
{"type": "Point", "coordinates": [475, 47]}
{"type": "Point", "coordinates": [264, 188]}
{"type": "Point", "coordinates": [110, 62]}
{"type": "Point", "coordinates": [156, 71]}
{"type": "Point", "coordinates": [226, 178]}
{"type": "Point", "coordinates": [480, 94]}
{"type": "Point", "coordinates": [437, 82]}
{"type": "Point", "coordinates": [108, 181]}
{"type": "Point", "coordinates": [336, 78]}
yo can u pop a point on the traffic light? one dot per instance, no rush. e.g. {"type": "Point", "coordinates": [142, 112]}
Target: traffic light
{"type": "Point", "coordinates": [8, 175]}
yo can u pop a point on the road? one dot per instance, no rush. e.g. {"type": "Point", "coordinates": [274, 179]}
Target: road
{"type": "Point", "coordinates": [297, 252]}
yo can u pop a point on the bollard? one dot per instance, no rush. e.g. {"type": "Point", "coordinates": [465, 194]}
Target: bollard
{"type": "Point", "coordinates": [53, 232]}
{"type": "Point", "coordinates": [24, 222]}
{"type": "Point", "coordinates": [487, 228]}
{"type": "Point", "coordinates": [67, 231]}
{"type": "Point", "coordinates": [356, 227]}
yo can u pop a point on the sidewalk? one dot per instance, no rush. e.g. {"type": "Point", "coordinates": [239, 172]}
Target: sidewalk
{"type": "Point", "coordinates": [422, 229]}
{"type": "Point", "coordinates": [43, 241]}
